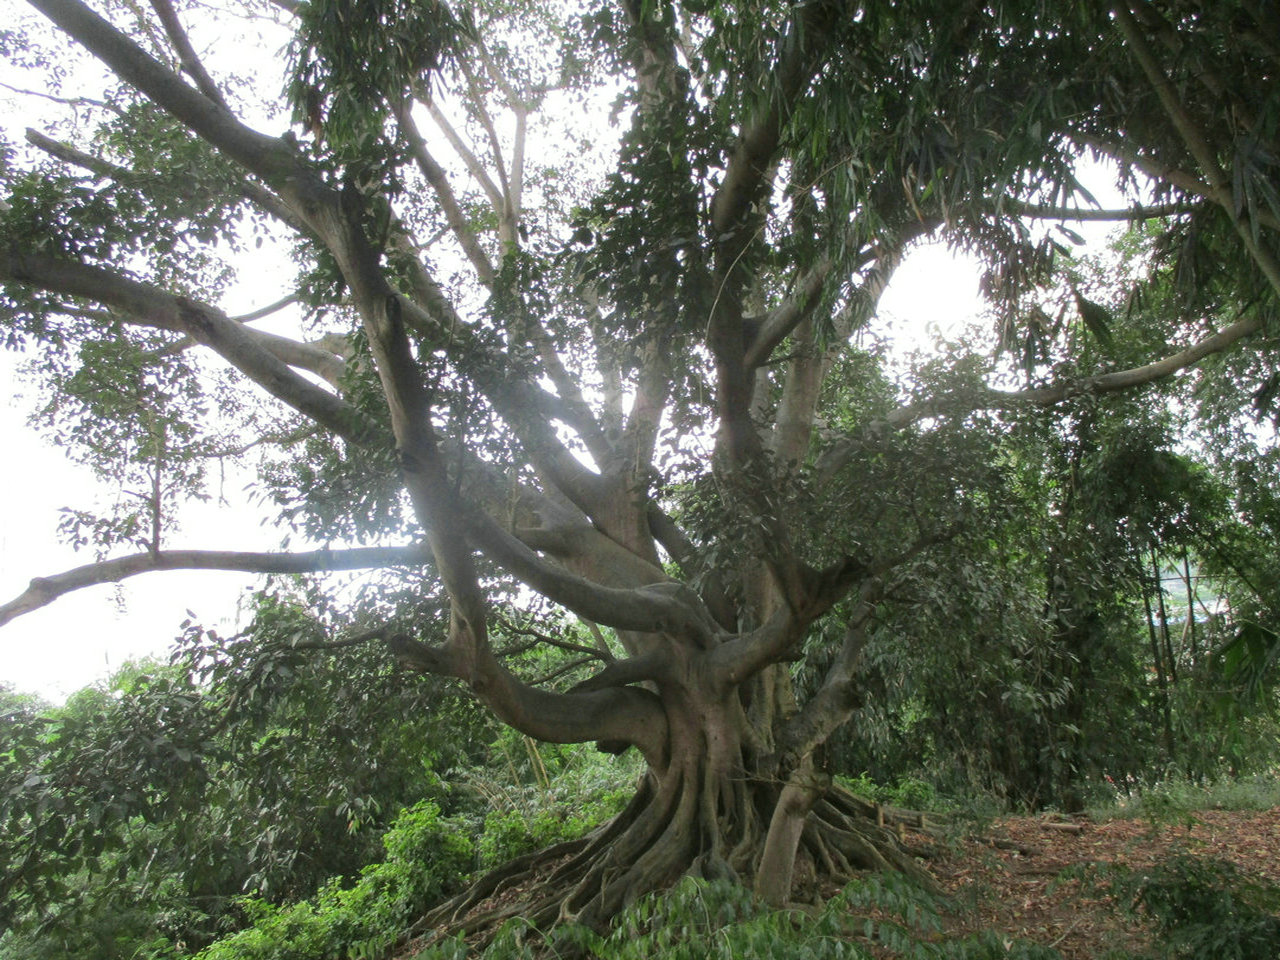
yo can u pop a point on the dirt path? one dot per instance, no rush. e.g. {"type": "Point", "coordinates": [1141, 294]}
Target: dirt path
{"type": "Point", "coordinates": [1011, 876]}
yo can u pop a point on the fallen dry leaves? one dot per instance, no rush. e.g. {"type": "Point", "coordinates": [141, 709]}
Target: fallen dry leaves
{"type": "Point", "coordinates": [1011, 875]}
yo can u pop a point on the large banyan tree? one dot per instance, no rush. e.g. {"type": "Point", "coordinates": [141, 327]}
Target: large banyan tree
{"type": "Point", "coordinates": [583, 280]}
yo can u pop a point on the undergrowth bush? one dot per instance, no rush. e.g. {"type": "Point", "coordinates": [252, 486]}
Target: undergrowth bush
{"type": "Point", "coordinates": [1159, 799]}
{"type": "Point", "coordinates": [427, 856]}
{"type": "Point", "coordinates": [1203, 909]}
{"type": "Point", "coordinates": [908, 792]}
{"type": "Point", "coordinates": [508, 834]}
{"type": "Point", "coordinates": [566, 791]}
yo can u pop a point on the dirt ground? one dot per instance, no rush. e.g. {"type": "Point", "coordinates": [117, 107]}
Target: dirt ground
{"type": "Point", "coordinates": [1011, 873]}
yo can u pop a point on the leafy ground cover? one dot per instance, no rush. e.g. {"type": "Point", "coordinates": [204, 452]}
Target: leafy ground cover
{"type": "Point", "coordinates": [1028, 877]}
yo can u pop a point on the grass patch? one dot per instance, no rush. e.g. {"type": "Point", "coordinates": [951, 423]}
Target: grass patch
{"type": "Point", "coordinates": [1165, 801]}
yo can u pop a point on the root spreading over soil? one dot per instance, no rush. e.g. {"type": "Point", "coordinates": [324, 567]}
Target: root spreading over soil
{"type": "Point", "coordinates": [1008, 880]}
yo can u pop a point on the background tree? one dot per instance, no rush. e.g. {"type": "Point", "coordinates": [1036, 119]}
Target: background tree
{"type": "Point", "coordinates": [138, 815]}
{"type": "Point", "coordinates": [622, 394]}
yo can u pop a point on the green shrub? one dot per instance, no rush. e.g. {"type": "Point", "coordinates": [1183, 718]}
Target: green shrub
{"type": "Point", "coordinates": [1203, 908]}
{"type": "Point", "coordinates": [1207, 911]}
{"type": "Point", "coordinates": [908, 792]}
{"type": "Point", "coordinates": [576, 789]}
{"type": "Point", "coordinates": [1157, 801]}
{"type": "Point", "coordinates": [427, 855]}
{"type": "Point", "coordinates": [508, 834]}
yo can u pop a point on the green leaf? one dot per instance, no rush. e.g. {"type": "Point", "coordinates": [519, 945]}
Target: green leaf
{"type": "Point", "coordinates": [1097, 320]}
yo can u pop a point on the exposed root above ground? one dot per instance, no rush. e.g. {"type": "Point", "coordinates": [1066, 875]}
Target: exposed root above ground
{"type": "Point", "coordinates": [664, 834]}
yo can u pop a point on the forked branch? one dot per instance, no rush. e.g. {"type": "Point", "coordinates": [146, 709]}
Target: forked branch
{"type": "Point", "coordinates": [186, 53]}
{"type": "Point", "coordinates": [149, 306]}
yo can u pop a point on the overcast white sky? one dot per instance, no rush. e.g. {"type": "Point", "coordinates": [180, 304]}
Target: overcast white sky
{"type": "Point", "coordinates": [88, 634]}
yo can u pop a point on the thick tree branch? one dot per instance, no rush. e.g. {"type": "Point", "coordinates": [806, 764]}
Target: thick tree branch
{"type": "Point", "coordinates": [325, 357]}
{"type": "Point", "coordinates": [268, 310]}
{"type": "Point", "coordinates": [269, 157]}
{"type": "Point", "coordinates": [569, 393]}
{"type": "Point", "coordinates": [736, 221]}
{"type": "Point", "coordinates": [1204, 73]}
{"type": "Point", "coordinates": [439, 181]}
{"type": "Point", "coordinates": [69, 154]}
{"type": "Point", "coordinates": [619, 714]}
{"type": "Point", "coordinates": [335, 220]}
{"type": "Point", "coordinates": [656, 608]}
{"type": "Point", "coordinates": [1160, 171]}
{"type": "Point", "coordinates": [475, 101]}
{"type": "Point", "coordinates": [837, 698]}
{"type": "Point", "coordinates": [546, 523]}
{"type": "Point", "coordinates": [809, 364]}
{"type": "Point", "coordinates": [186, 53]}
{"type": "Point", "coordinates": [424, 657]}
{"type": "Point", "coordinates": [651, 666]}
{"type": "Point", "coordinates": [778, 324]}
{"type": "Point", "coordinates": [149, 306]}
{"type": "Point", "coordinates": [44, 590]}
{"type": "Point", "coordinates": [653, 391]}
{"type": "Point", "coordinates": [515, 189]}
{"type": "Point", "coordinates": [739, 659]}
{"type": "Point", "coordinates": [526, 407]}
{"type": "Point", "coordinates": [683, 551]}
{"type": "Point", "coordinates": [793, 425]}
{"type": "Point", "coordinates": [467, 156]}
{"type": "Point", "coordinates": [839, 453]}
{"type": "Point", "coordinates": [506, 211]}
{"type": "Point", "coordinates": [316, 357]}
{"type": "Point", "coordinates": [745, 655]}
{"type": "Point", "coordinates": [1188, 130]}
{"type": "Point", "coordinates": [305, 356]}
{"type": "Point", "coordinates": [612, 414]}
{"type": "Point", "coordinates": [1195, 140]}
{"type": "Point", "coordinates": [1137, 212]}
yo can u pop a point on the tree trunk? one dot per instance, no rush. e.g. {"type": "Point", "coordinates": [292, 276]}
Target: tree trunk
{"type": "Point", "coordinates": [715, 809]}
{"type": "Point", "coordinates": [775, 874]}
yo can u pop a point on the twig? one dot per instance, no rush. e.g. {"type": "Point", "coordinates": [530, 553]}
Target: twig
{"type": "Point", "coordinates": [546, 638]}
{"type": "Point", "coordinates": [65, 101]}
{"type": "Point", "coordinates": [572, 665]}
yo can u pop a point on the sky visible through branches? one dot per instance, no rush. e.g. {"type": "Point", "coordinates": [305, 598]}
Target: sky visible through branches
{"type": "Point", "coordinates": [60, 648]}
{"type": "Point", "coordinates": [81, 638]}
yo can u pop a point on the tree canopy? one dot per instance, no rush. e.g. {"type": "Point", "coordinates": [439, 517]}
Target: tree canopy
{"type": "Point", "coordinates": [594, 383]}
